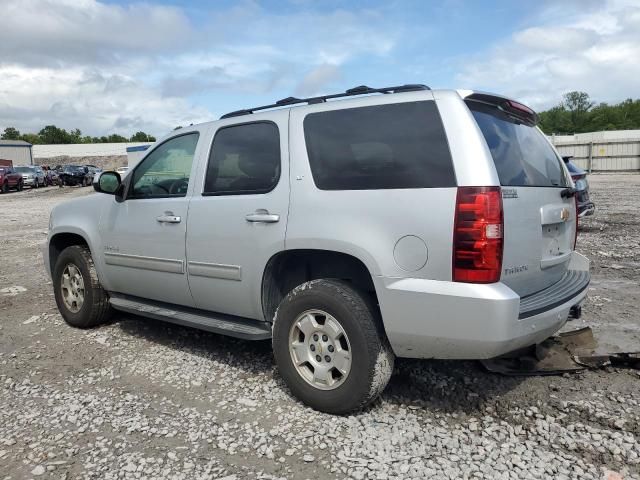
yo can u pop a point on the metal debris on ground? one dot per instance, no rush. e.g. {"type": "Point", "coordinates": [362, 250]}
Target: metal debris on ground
{"type": "Point", "coordinates": [564, 353]}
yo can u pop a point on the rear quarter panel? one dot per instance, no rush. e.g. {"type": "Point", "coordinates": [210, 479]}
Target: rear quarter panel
{"type": "Point", "coordinates": [368, 223]}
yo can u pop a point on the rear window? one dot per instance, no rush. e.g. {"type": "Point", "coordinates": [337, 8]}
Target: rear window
{"type": "Point", "coordinates": [521, 153]}
{"type": "Point", "coordinates": [401, 145]}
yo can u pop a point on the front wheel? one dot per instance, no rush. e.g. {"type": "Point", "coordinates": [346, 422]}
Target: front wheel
{"type": "Point", "coordinates": [330, 348]}
{"type": "Point", "coordinates": [4, 188]}
{"type": "Point", "coordinates": [82, 301]}
{"type": "Point", "coordinates": [20, 186]}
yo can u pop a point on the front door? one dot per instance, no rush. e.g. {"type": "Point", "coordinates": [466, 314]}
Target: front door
{"type": "Point", "coordinates": [238, 217]}
{"type": "Point", "coordinates": [143, 237]}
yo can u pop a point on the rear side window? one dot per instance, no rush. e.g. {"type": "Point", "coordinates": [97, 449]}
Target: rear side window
{"type": "Point", "coordinates": [244, 159]}
{"type": "Point", "coordinates": [401, 145]}
{"type": "Point", "coordinates": [521, 153]}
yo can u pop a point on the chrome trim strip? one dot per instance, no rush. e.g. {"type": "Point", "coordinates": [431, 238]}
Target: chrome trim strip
{"type": "Point", "coordinates": [168, 265]}
{"type": "Point", "coordinates": [215, 270]}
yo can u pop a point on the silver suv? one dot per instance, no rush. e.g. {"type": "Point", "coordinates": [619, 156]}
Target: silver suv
{"type": "Point", "coordinates": [349, 229]}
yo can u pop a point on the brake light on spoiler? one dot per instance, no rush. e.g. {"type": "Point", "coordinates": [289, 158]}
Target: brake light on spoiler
{"type": "Point", "coordinates": [478, 235]}
{"type": "Point", "coordinates": [520, 110]}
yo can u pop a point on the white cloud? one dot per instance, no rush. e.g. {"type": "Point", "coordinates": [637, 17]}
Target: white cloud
{"type": "Point", "coordinates": [107, 68]}
{"type": "Point", "coordinates": [591, 46]}
{"type": "Point", "coordinates": [64, 32]}
{"type": "Point", "coordinates": [94, 101]}
{"type": "Point", "coordinates": [318, 79]}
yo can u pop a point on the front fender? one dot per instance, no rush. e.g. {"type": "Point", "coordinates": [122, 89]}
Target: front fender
{"type": "Point", "coordinates": [81, 217]}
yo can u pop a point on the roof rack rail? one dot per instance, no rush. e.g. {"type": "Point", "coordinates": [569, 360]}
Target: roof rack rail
{"type": "Point", "coordinates": [359, 90]}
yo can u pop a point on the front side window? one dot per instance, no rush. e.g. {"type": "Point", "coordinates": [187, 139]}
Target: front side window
{"type": "Point", "coordinates": [244, 159]}
{"type": "Point", "coordinates": [165, 171]}
{"type": "Point", "coordinates": [401, 145]}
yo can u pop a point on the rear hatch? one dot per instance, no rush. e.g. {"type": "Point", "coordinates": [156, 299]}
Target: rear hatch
{"type": "Point", "coordinates": [539, 224]}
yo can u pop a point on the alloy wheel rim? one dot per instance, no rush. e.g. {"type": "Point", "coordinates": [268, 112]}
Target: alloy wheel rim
{"type": "Point", "coordinates": [320, 349]}
{"type": "Point", "coordinates": [72, 288]}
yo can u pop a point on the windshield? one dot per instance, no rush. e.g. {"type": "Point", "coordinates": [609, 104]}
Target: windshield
{"type": "Point", "coordinates": [522, 155]}
{"type": "Point", "coordinates": [25, 169]}
{"type": "Point", "coordinates": [73, 168]}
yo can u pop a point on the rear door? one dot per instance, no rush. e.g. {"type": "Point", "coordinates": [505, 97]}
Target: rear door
{"type": "Point", "coordinates": [539, 224]}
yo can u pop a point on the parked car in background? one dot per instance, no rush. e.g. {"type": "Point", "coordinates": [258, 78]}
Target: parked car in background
{"type": "Point", "coordinates": [94, 171]}
{"type": "Point", "coordinates": [72, 175]}
{"type": "Point", "coordinates": [41, 174]}
{"type": "Point", "coordinates": [410, 223]}
{"type": "Point", "coordinates": [51, 175]}
{"type": "Point", "coordinates": [9, 178]}
{"type": "Point", "coordinates": [31, 176]}
{"type": "Point", "coordinates": [585, 205]}
{"type": "Point", "coordinates": [122, 171]}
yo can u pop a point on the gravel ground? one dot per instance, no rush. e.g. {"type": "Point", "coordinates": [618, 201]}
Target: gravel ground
{"type": "Point", "coordinates": [144, 399]}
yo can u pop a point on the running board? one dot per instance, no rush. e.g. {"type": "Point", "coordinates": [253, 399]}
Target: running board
{"type": "Point", "coordinates": [230, 325]}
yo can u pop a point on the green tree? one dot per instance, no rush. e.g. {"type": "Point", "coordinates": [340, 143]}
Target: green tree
{"type": "Point", "coordinates": [577, 113]}
{"type": "Point", "coordinates": [578, 105]}
{"type": "Point", "coordinates": [115, 138]}
{"type": "Point", "coordinates": [32, 138]}
{"type": "Point", "coordinates": [140, 137]}
{"type": "Point", "coordinates": [10, 133]}
{"type": "Point", "coordinates": [556, 120]}
{"type": "Point", "coordinates": [75, 136]}
{"type": "Point", "coordinates": [54, 135]}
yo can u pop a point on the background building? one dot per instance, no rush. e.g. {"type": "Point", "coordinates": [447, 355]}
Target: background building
{"type": "Point", "coordinates": [616, 150]}
{"type": "Point", "coordinates": [18, 151]}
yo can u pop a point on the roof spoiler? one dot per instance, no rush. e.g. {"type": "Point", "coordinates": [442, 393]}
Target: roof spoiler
{"type": "Point", "coordinates": [511, 107]}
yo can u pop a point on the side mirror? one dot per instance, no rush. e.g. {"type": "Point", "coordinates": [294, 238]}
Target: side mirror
{"type": "Point", "coordinates": [108, 182]}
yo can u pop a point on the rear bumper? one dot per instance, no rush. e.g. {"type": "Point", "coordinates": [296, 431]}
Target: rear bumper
{"type": "Point", "coordinates": [435, 319]}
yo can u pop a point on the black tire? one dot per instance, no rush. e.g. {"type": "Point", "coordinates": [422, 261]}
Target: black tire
{"type": "Point", "coordinates": [34, 184]}
{"type": "Point", "coordinates": [371, 356]}
{"type": "Point", "coordinates": [20, 186]}
{"type": "Point", "coordinates": [5, 187]}
{"type": "Point", "coordinates": [95, 308]}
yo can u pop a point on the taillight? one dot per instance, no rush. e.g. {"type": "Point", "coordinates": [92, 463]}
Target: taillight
{"type": "Point", "coordinates": [478, 235]}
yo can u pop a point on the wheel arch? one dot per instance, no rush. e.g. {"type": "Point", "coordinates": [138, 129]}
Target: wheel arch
{"type": "Point", "coordinates": [59, 241]}
{"type": "Point", "coordinates": [289, 268]}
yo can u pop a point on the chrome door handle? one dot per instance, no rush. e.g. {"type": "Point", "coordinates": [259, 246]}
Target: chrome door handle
{"type": "Point", "coordinates": [262, 216]}
{"type": "Point", "coordinates": [168, 219]}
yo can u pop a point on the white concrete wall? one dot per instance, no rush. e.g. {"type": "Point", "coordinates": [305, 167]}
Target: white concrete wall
{"type": "Point", "coordinates": [84, 149]}
{"type": "Point", "coordinates": [19, 155]}
{"type": "Point", "coordinates": [134, 157]}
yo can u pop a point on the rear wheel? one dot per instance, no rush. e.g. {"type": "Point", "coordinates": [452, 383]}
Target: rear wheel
{"type": "Point", "coordinates": [20, 186]}
{"type": "Point", "coordinates": [330, 348]}
{"type": "Point", "coordinates": [82, 301]}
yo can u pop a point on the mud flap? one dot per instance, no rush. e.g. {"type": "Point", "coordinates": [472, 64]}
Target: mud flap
{"type": "Point", "coordinates": [564, 353]}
